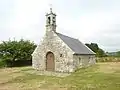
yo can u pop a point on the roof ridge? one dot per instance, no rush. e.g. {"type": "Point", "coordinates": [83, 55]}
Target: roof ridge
{"type": "Point", "coordinates": [67, 36]}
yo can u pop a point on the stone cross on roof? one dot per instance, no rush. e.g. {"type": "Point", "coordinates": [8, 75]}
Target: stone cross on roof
{"type": "Point", "coordinates": [50, 8]}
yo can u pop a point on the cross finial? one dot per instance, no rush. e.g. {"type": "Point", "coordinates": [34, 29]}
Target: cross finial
{"type": "Point", "coordinates": [51, 8]}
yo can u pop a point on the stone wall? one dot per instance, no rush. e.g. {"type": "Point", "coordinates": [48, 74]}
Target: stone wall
{"type": "Point", "coordinates": [108, 59]}
{"type": "Point", "coordinates": [83, 60]}
{"type": "Point", "coordinates": [63, 54]}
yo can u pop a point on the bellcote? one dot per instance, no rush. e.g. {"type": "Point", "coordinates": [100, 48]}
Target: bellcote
{"type": "Point", "coordinates": [51, 21]}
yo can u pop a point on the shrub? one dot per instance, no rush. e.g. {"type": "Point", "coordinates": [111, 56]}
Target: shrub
{"type": "Point", "coordinates": [13, 51]}
{"type": "Point", "coordinates": [2, 63]}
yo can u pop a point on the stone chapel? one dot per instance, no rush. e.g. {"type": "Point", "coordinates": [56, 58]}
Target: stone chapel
{"type": "Point", "coordinates": [60, 53]}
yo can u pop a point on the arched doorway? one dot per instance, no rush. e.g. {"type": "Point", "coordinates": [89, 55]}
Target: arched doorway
{"type": "Point", "coordinates": [50, 65]}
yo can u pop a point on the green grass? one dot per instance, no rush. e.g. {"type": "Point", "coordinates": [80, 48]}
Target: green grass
{"type": "Point", "coordinates": [102, 76]}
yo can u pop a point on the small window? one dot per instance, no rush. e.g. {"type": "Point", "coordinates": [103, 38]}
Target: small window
{"type": "Point", "coordinates": [61, 55]}
{"type": "Point", "coordinates": [89, 57]}
{"type": "Point", "coordinates": [80, 62]}
{"type": "Point", "coordinates": [79, 58]}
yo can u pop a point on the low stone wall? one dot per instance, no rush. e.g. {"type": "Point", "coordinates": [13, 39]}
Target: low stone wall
{"type": "Point", "coordinates": [108, 59]}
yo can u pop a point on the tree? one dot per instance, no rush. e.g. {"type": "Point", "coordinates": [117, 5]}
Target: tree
{"type": "Point", "coordinates": [95, 48]}
{"type": "Point", "coordinates": [118, 53]}
{"type": "Point", "coordinates": [100, 53]}
{"type": "Point", "coordinates": [11, 51]}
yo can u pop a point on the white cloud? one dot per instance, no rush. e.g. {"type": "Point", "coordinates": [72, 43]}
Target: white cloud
{"type": "Point", "coordinates": [29, 17]}
{"type": "Point", "coordinates": [88, 21]}
{"type": "Point", "coordinates": [99, 27]}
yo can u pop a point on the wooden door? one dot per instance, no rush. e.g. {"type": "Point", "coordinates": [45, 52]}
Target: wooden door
{"type": "Point", "coordinates": [50, 61]}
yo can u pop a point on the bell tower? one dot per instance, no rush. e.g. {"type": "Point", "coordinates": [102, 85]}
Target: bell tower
{"type": "Point", "coordinates": [50, 21]}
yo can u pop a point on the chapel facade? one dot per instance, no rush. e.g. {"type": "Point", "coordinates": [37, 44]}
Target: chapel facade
{"type": "Point", "coordinates": [60, 53]}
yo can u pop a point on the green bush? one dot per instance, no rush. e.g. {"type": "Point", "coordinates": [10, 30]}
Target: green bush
{"type": "Point", "coordinates": [2, 63]}
{"type": "Point", "coordinates": [13, 51]}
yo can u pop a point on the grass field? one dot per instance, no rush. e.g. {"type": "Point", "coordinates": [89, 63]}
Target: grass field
{"type": "Point", "coordinates": [102, 76]}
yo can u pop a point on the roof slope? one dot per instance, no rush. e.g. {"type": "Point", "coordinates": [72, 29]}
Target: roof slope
{"type": "Point", "coordinates": [75, 45]}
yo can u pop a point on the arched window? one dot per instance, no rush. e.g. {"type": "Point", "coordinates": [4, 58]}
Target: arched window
{"type": "Point", "coordinates": [49, 20]}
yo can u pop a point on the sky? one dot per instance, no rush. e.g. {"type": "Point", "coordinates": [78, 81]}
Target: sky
{"type": "Point", "coordinates": [96, 21]}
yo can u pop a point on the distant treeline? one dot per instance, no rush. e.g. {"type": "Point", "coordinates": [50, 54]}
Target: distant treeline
{"type": "Point", "coordinates": [114, 54]}
{"type": "Point", "coordinates": [100, 52]}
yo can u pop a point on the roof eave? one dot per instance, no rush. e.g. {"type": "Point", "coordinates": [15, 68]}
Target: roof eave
{"type": "Point", "coordinates": [84, 54]}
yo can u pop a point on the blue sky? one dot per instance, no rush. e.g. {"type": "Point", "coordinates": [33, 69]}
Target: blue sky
{"type": "Point", "coordinates": [88, 20]}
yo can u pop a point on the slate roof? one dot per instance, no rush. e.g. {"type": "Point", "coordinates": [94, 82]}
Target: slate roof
{"type": "Point", "coordinates": [77, 46]}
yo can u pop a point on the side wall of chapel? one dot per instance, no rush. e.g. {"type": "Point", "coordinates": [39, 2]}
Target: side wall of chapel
{"type": "Point", "coordinates": [83, 60]}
